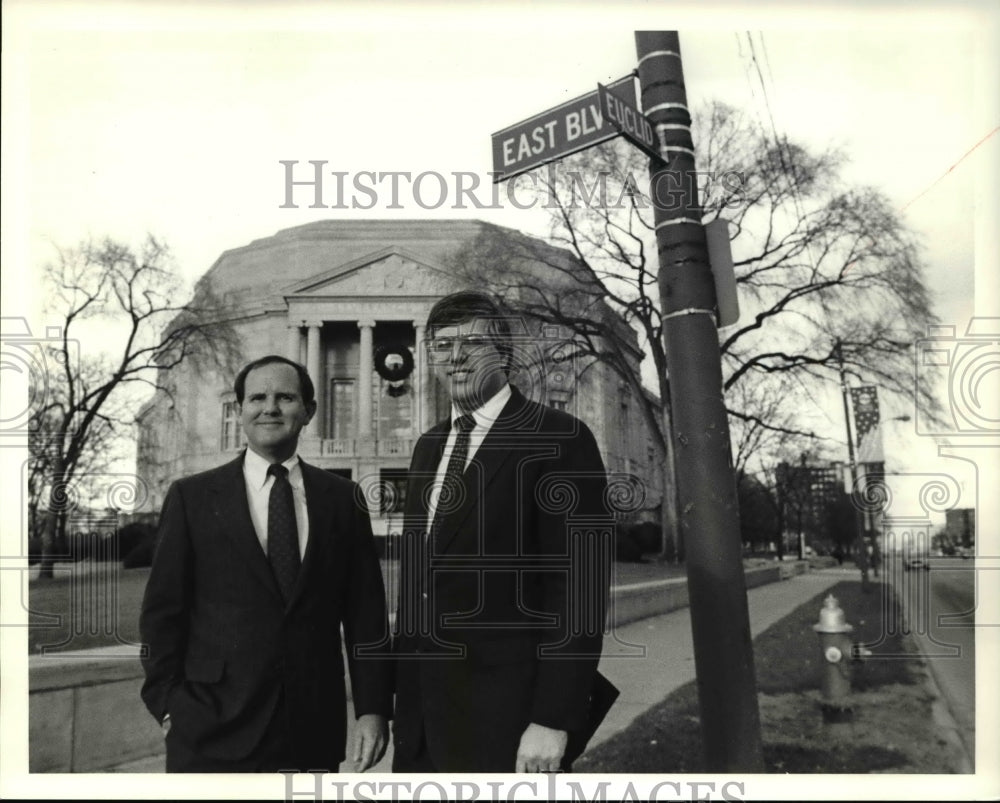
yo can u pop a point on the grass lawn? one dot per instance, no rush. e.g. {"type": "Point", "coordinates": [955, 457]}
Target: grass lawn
{"type": "Point", "coordinates": [91, 605]}
{"type": "Point", "coordinates": [86, 605]}
{"type": "Point", "coordinates": [892, 728]}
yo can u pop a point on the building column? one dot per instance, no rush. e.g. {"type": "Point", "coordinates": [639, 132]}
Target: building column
{"type": "Point", "coordinates": [420, 380]}
{"type": "Point", "coordinates": [365, 369]}
{"type": "Point", "coordinates": [314, 365]}
{"type": "Point", "coordinates": [293, 349]}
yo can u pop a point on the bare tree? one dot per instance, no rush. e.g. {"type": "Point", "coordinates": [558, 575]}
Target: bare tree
{"type": "Point", "coordinates": [127, 298]}
{"type": "Point", "coordinates": [792, 489]}
{"type": "Point", "coordinates": [96, 454]}
{"type": "Point", "coordinates": [763, 423]}
{"type": "Point", "coordinates": [760, 522]}
{"type": "Point", "coordinates": [817, 264]}
{"type": "Point", "coordinates": [556, 286]}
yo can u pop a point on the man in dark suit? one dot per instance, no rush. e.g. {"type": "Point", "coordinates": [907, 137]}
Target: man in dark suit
{"type": "Point", "coordinates": [258, 564]}
{"type": "Point", "coordinates": [504, 571]}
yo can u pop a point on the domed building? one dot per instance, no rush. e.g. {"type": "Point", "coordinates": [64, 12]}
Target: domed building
{"type": "Point", "coordinates": [349, 300]}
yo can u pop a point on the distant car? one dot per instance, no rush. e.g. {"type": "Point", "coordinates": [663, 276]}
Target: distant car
{"type": "Point", "coordinates": [916, 562]}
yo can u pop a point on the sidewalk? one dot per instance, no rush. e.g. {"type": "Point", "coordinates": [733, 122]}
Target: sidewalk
{"type": "Point", "coordinates": [650, 658]}
{"type": "Point", "coordinates": [668, 662]}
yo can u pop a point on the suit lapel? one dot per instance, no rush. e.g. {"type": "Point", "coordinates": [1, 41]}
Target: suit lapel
{"type": "Point", "coordinates": [232, 511]}
{"type": "Point", "coordinates": [321, 526]}
{"type": "Point", "coordinates": [492, 454]}
{"type": "Point", "coordinates": [426, 457]}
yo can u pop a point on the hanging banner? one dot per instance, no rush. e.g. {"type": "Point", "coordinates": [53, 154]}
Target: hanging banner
{"type": "Point", "coordinates": [866, 424]}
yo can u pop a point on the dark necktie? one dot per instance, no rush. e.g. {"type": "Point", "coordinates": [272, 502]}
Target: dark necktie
{"type": "Point", "coordinates": [282, 532]}
{"type": "Point", "coordinates": [451, 488]}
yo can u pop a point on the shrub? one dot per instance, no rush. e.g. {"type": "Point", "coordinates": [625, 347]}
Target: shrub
{"type": "Point", "coordinates": [132, 535]}
{"type": "Point", "coordinates": [141, 555]}
{"type": "Point", "coordinates": [89, 545]}
{"type": "Point", "coordinates": [626, 548]}
{"type": "Point", "coordinates": [136, 544]}
{"type": "Point", "coordinates": [638, 538]}
{"type": "Point", "coordinates": [647, 534]}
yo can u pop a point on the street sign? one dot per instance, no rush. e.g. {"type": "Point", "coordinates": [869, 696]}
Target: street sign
{"type": "Point", "coordinates": [558, 132]}
{"type": "Point", "coordinates": [626, 117]}
{"type": "Point", "coordinates": [720, 258]}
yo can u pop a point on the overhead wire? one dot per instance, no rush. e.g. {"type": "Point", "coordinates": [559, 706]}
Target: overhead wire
{"type": "Point", "coordinates": [946, 172]}
{"type": "Point", "coordinates": [782, 150]}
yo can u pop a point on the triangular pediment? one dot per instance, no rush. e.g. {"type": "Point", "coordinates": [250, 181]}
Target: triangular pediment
{"type": "Point", "coordinates": [388, 272]}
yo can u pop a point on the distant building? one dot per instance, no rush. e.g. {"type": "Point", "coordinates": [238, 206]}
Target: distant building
{"type": "Point", "coordinates": [814, 501]}
{"type": "Point", "coordinates": [346, 298]}
{"type": "Point", "coordinates": [960, 524]}
{"type": "Point", "coordinates": [809, 496]}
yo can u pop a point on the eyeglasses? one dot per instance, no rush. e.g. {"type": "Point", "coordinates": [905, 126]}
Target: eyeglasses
{"type": "Point", "coordinates": [443, 349]}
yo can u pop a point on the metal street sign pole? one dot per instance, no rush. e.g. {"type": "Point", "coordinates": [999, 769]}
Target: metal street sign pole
{"type": "Point", "coordinates": [709, 515]}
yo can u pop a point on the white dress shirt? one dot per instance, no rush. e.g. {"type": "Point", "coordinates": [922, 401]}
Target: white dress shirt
{"type": "Point", "coordinates": [259, 484]}
{"type": "Point", "coordinates": [484, 417]}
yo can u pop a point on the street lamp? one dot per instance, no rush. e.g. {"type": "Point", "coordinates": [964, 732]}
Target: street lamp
{"type": "Point", "coordinates": [859, 532]}
{"type": "Point", "coordinates": [876, 548]}
{"type": "Point", "coordinates": [859, 520]}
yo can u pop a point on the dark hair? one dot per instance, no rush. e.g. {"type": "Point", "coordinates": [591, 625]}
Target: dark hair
{"type": "Point", "coordinates": [465, 305]}
{"type": "Point", "coordinates": [306, 388]}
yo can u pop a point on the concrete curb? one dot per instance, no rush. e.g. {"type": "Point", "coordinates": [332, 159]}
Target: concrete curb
{"type": "Point", "coordinates": [941, 712]}
{"type": "Point", "coordinates": [636, 601]}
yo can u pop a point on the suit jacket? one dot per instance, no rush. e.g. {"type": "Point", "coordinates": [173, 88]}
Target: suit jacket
{"type": "Point", "coordinates": [221, 643]}
{"type": "Point", "coordinates": [500, 620]}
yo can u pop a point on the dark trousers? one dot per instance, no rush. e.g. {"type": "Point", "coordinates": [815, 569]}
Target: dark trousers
{"type": "Point", "coordinates": [418, 762]}
{"type": "Point", "coordinates": [421, 761]}
{"type": "Point", "coordinates": [275, 752]}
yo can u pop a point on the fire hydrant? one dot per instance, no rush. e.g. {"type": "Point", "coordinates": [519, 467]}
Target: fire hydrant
{"type": "Point", "coordinates": [836, 644]}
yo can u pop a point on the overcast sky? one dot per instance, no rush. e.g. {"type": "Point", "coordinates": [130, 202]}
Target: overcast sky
{"type": "Point", "coordinates": [173, 118]}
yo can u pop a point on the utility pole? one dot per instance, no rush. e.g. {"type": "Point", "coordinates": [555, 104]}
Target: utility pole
{"type": "Point", "coordinates": [706, 482]}
{"type": "Point", "coordinates": [859, 529]}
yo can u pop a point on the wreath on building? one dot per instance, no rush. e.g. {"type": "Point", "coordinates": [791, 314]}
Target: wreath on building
{"type": "Point", "coordinates": [394, 363]}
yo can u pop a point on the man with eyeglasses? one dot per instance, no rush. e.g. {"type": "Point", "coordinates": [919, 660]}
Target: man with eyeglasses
{"type": "Point", "coordinates": [500, 615]}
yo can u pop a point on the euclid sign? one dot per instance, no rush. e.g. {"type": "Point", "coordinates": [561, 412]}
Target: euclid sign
{"type": "Point", "coordinates": [627, 119]}
{"type": "Point", "coordinates": [553, 134]}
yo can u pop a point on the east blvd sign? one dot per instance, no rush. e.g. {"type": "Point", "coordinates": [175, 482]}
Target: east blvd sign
{"type": "Point", "coordinates": [553, 134]}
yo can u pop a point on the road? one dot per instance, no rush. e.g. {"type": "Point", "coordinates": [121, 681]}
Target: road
{"type": "Point", "coordinates": [939, 604]}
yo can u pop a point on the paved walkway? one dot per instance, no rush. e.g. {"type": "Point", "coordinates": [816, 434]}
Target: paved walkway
{"type": "Point", "coordinates": [650, 658]}
{"type": "Point", "coordinates": [668, 663]}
